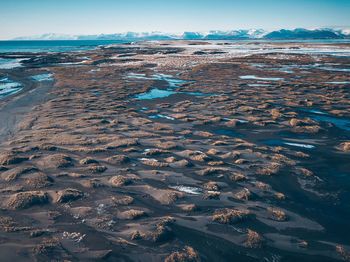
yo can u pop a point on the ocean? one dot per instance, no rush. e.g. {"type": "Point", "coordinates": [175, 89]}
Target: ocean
{"type": "Point", "coordinates": [53, 45]}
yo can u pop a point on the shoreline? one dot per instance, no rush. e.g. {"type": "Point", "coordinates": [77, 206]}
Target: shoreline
{"type": "Point", "coordinates": [13, 108]}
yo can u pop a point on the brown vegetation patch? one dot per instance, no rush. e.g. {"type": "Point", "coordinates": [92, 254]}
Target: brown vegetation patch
{"type": "Point", "coordinates": [68, 194]}
{"type": "Point", "coordinates": [120, 180]}
{"type": "Point", "coordinates": [47, 246]}
{"type": "Point", "coordinates": [343, 253]}
{"type": "Point", "coordinates": [187, 255]}
{"type": "Point", "coordinates": [212, 195]}
{"type": "Point", "coordinates": [245, 194]}
{"type": "Point", "coordinates": [38, 180]}
{"type": "Point", "coordinates": [132, 214]}
{"type": "Point", "coordinates": [8, 225]}
{"type": "Point", "coordinates": [122, 143]}
{"type": "Point", "coordinates": [211, 186]}
{"type": "Point", "coordinates": [123, 200]}
{"type": "Point", "coordinates": [11, 159]}
{"type": "Point", "coordinates": [167, 145]}
{"type": "Point", "coordinates": [27, 199]}
{"type": "Point", "coordinates": [118, 159]}
{"type": "Point", "coordinates": [238, 177]}
{"type": "Point", "coordinates": [272, 169]}
{"type": "Point", "coordinates": [154, 152]}
{"type": "Point", "coordinates": [180, 163]}
{"type": "Point", "coordinates": [194, 155]}
{"type": "Point", "coordinates": [215, 163]}
{"type": "Point", "coordinates": [14, 173]}
{"type": "Point", "coordinates": [57, 161]}
{"type": "Point", "coordinates": [189, 207]}
{"type": "Point", "coordinates": [162, 233]}
{"type": "Point", "coordinates": [96, 168]}
{"type": "Point", "coordinates": [229, 216]}
{"type": "Point", "coordinates": [212, 171]}
{"type": "Point", "coordinates": [276, 214]}
{"type": "Point", "coordinates": [137, 235]}
{"type": "Point", "coordinates": [254, 240]}
{"type": "Point", "coordinates": [344, 146]}
{"type": "Point", "coordinates": [154, 163]}
{"type": "Point", "coordinates": [88, 160]}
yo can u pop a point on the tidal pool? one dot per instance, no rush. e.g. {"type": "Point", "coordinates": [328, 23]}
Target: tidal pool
{"type": "Point", "coordinates": [8, 87]}
{"type": "Point", "coordinates": [275, 142]}
{"type": "Point", "coordinates": [10, 63]}
{"type": "Point", "coordinates": [340, 123]}
{"type": "Point", "coordinates": [158, 93]}
{"type": "Point", "coordinates": [43, 77]}
{"type": "Point", "coordinates": [226, 132]}
{"type": "Point", "coordinates": [252, 77]}
{"type": "Point", "coordinates": [172, 82]}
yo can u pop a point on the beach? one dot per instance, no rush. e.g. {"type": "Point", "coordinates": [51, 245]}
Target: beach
{"type": "Point", "coordinates": [170, 150]}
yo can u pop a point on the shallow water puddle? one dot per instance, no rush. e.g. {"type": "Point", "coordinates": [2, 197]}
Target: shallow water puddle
{"type": "Point", "coordinates": [239, 120]}
{"type": "Point", "coordinates": [293, 136]}
{"type": "Point", "coordinates": [189, 190]}
{"type": "Point", "coordinates": [334, 69]}
{"type": "Point", "coordinates": [172, 82]}
{"type": "Point", "coordinates": [337, 82]}
{"type": "Point", "coordinates": [226, 132]}
{"type": "Point", "coordinates": [257, 85]}
{"type": "Point", "coordinates": [252, 77]}
{"type": "Point", "coordinates": [274, 142]}
{"type": "Point", "coordinates": [43, 77]}
{"type": "Point", "coordinates": [340, 123]}
{"type": "Point", "coordinates": [158, 93]}
{"type": "Point", "coordinates": [8, 87]}
{"type": "Point", "coordinates": [10, 63]}
{"type": "Point", "coordinates": [155, 93]}
{"type": "Point", "coordinates": [314, 111]}
{"type": "Point", "coordinates": [161, 116]}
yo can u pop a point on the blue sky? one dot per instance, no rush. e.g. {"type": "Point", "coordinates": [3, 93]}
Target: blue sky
{"type": "Point", "coordinates": [35, 17]}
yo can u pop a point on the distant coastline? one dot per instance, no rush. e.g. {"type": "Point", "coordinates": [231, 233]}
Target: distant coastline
{"type": "Point", "coordinates": [298, 33]}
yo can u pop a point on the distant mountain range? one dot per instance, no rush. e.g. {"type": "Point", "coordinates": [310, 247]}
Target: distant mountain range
{"type": "Point", "coordinates": [210, 35]}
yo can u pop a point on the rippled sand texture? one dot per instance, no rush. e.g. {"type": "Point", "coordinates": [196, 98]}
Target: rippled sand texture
{"type": "Point", "coordinates": [178, 151]}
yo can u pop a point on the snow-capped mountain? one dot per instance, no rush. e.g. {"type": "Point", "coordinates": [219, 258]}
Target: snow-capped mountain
{"type": "Point", "coordinates": [210, 35]}
{"type": "Point", "coordinates": [49, 36]}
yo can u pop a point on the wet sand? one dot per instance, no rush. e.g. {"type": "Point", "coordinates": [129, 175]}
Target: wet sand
{"type": "Point", "coordinates": [239, 157]}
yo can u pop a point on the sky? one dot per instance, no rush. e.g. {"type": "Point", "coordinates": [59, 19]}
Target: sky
{"type": "Point", "coordinates": [83, 17]}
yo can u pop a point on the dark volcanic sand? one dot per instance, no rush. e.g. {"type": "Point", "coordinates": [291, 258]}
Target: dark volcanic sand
{"type": "Point", "coordinates": [229, 168]}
